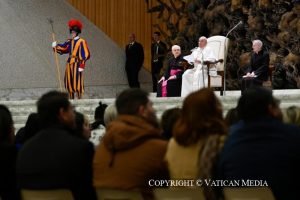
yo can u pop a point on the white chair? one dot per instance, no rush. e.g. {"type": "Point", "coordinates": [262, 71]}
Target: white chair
{"type": "Point", "coordinates": [179, 194]}
{"type": "Point", "coordinates": [115, 194]}
{"type": "Point", "coordinates": [217, 43]}
{"type": "Point", "coordinates": [60, 194]}
{"type": "Point", "coordinates": [253, 193]}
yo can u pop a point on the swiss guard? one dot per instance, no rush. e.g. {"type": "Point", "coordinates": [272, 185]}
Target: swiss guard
{"type": "Point", "coordinates": [78, 55]}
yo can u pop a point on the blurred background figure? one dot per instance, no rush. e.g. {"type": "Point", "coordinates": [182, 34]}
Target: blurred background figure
{"type": "Point", "coordinates": [134, 61]}
{"type": "Point", "coordinates": [291, 115]}
{"type": "Point", "coordinates": [31, 128]}
{"type": "Point", "coordinates": [168, 120]}
{"type": "Point", "coordinates": [110, 114]}
{"type": "Point", "coordinates": [8, 155]}
{"type": "Point", "coordinates": [82, 129]}
{"type": "Point", "coordinates": [98, 126]}
{"type": "Point", "coordinates": [231, 117]}
{"type": "Point", "coordinates": [98, 116]}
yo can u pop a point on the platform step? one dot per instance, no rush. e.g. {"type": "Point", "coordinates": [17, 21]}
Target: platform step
{"type": "Point", "coordinates": [21, 109]}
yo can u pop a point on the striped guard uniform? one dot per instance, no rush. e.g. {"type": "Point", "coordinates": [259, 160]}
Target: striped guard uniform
{"type": "Point", "coordinates": [78, 54]}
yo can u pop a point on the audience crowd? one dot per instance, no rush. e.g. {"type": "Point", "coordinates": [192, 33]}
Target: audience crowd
{"type": "Point", "coordinates": [127, 145]}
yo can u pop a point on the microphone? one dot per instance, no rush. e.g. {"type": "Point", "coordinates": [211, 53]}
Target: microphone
{"type": "Point", "coordinates": [238, 24]}
{"type": "Point", "coordinates": [225, 49]}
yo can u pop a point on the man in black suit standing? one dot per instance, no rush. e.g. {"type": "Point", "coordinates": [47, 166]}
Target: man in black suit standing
{"type": "Point", "coordinates": [158, 53]}
{"type": "Point", "coordinates": [134, 61]}
{"type": "Point", "coordinates": [54, 158]}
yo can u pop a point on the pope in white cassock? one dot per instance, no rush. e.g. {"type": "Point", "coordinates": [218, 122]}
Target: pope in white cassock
{"type": "Point", "coordinates": [196, 78]}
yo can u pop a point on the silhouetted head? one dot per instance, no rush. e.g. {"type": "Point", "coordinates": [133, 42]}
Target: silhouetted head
{"type": "Point", "coordinates": [6, 125]}
{"type": "Point", "coordinates": [54, 108]}
{"type": "Point", "coordinates": [168, 120]}
{"type": "Point", "coordinates": [82, 129]}
{"type": "Point", "coordinates": [258, 102]}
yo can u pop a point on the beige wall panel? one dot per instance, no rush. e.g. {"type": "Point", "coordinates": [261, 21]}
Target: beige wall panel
{"type": "Point", "coordinates": [119, 18]}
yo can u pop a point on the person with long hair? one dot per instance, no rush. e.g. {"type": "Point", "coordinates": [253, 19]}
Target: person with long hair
{"type": "Point", "coordinates": [82, 129]}
{"type": "Point", "coordinates": [31, 128]}
{"type": "Point", "coordinates": [197, 138]}
{"type": "Point", "coordinates": [8, 155]}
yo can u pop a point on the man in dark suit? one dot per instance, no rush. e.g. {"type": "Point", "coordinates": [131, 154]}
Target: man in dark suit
{"type": "Point", "coordinates": [262, 147]}
{"type": "Point", "coordinates": [134, 61]}
{"type": "Point", "coordinates": [54, 158]}
{"type": "Point", "coordinates": [158, 53]}
{"type": "Point", "coordinates": [259, 66]}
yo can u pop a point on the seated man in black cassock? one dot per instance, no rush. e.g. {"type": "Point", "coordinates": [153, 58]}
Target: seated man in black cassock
{"type": "Point", "coordinates": [170, 84]}
{"type": "Point", "coordinates": [257, 72]}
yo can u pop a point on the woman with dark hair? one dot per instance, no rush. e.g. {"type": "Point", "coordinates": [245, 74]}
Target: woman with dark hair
{"type": "Point", "coordinates": [197, 138]}
{"type": "Point", "coordinates": [231, 117]}
{"type": "Point", "coordinates": [99, 116]}
{"type": "Point", "coordinates": [168, 120]}
{"type": "Point", "coordinates": [98, 126]}
{"type": "Point", "coordinates": [31, 128]}
{"type": "Point", "coordinates": [82, 126]}
{"type": "Point", "coordinates": [8, 154]}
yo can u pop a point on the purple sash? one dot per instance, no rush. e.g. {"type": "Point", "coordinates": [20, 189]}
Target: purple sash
{"type": "Point", "coordinates": [165, 83]}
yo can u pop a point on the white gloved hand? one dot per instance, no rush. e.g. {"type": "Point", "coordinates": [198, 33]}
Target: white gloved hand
{"type": "Point", "coordinates": [162, 79]}
{"type": "Point", "coordinates": [54, 44]}
{"type": "Point", "coordinates": [172, 77]}
{"type": "Point", "coordinates": [80, 69]}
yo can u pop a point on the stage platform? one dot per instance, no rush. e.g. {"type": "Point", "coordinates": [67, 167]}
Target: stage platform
{"type": "Point", "coordinates": [21, 109]}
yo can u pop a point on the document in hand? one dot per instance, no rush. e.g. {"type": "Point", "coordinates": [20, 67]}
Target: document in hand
{"type": "Point", "coordinates": [189, 58]}
{"type": "Point", "coordinates": [245, 76]}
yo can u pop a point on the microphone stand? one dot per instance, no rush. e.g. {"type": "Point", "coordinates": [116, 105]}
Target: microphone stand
{"type": "Point", "coordinates": [225, 56]}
